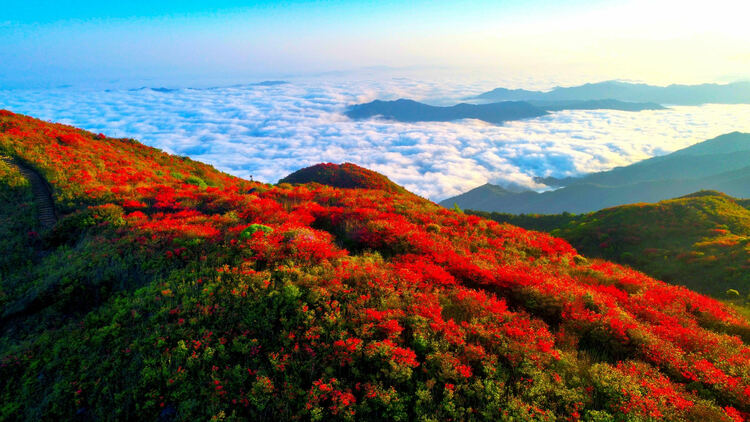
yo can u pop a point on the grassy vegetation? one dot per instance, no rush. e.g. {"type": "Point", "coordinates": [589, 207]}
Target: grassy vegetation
{"type": "Point", "coordinates": [701, 241]}
{"type": "Point", "coordinates": [18, 225]}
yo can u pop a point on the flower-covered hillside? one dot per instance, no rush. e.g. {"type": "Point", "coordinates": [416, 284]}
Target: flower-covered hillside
{"type": "Point", "coordinates": [157, 297]}
{"type": "Point", "coordinates": [346, 175]}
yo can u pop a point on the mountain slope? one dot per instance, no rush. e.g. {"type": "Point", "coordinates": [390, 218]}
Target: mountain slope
{"type": "Point", "coordinates": [598, 104]}
{"type": "Point", "coordinates": [725, 153]}
{"type": "Point", "coordinates": [41, 191]}
{"type": "Point", "coordinates": [699, 241]}
{"type": "Point", "coordinates": [170, 291]}
{"type": "Point", "coordinates": [733, 93]}
{"type": "Point", "coordinates": [346, 175]}
{"type": "Point", "coordinates": [719, 164]}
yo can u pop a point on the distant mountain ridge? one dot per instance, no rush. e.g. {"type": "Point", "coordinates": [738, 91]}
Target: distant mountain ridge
{"type": "Point", "coordinates": [404, 110]}
{"type": "Point", "coordinates": [722, 164]}
{"type": "Point", "coordinates": [732, 93]}
{"type": "Point", "coordinates": [603, 104]}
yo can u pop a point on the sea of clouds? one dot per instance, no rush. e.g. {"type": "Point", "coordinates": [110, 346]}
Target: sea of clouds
{"type": "Point", "coordinates": [268, 131]}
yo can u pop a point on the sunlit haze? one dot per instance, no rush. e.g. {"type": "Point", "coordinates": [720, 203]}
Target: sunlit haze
{"type": "Point", "coordinates": [531, 42]}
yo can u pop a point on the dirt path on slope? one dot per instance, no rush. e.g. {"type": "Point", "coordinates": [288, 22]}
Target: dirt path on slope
{"type": "Point", "coordinates": [41, 191]}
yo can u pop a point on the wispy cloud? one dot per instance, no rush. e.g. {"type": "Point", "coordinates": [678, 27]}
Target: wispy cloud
{"type": "Point", "coordinates": [270, 131]}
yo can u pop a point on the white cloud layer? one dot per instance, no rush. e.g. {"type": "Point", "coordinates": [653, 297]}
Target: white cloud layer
{"type": "Point", "coordinates": [269, 131]}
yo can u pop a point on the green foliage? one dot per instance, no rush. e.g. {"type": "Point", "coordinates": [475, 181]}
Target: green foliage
{"type": "Point", "coordinates": [196, 181]}
{"type": "Point", "coordinates": [70, 228]}
{"type": "Point", "coordinates": [251, 229]}
{"type": "Point", "coordinates": [433, 228]}
{"type": "Point", "coordinates": [18, 225]}
{"type": "Point", "coordinates": [701, 241]}
{"type": "Point", "coordinates": [540, 222]}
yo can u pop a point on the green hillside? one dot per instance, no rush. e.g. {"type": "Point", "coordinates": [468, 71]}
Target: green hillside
{"type": "Point", "coordinates": [701, 240]}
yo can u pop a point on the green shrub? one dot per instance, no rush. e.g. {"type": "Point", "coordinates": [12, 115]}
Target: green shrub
{"type": "Point", "coordinates": [433, 228]}
{"type": "Point", "coordinates": [18, 222]}
{"type": "Point", "coordinates": [71, 228]}
{"type": "Point", "coordinates": [249, 231]}
{"type": "Point", "coordinates": [580, 260]}
{"type": "Point", "coordinates": [195, 181]}
{"type": "Point", "coordinates": [628, 258]}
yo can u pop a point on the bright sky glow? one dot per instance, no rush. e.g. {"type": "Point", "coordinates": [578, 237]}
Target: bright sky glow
{"type": "Point", "coordinates": [47, 43]}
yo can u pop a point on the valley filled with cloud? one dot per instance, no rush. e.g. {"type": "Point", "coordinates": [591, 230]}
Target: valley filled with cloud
{"type": "Point", "coordinates": [266, 131]}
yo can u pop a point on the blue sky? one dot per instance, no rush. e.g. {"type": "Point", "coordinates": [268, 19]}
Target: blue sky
{"type": "Point", "coordinates": [45, 11]}
{"type": "Point", "coordinates": [47, 43]}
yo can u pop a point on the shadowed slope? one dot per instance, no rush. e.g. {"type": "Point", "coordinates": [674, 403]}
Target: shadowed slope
{"type": "Point", "coordinates": [42, 194]}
